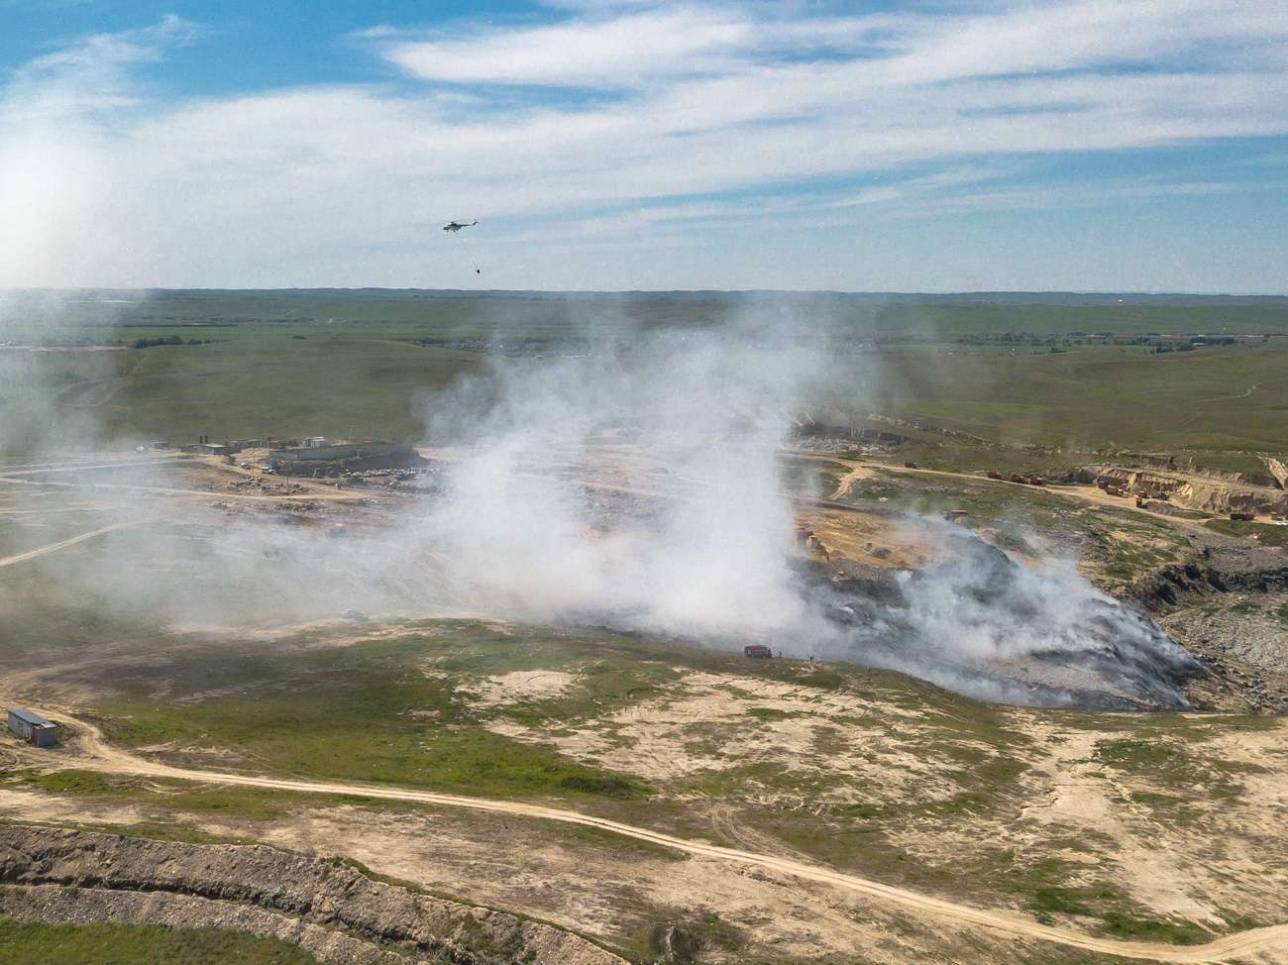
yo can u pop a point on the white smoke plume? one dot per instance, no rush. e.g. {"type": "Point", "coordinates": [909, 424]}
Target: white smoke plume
{"type": "Point", "coordinates": [685, 428]}
{"type": "Point", "coordinates": [638, 487]}
{"type": "Point", "coordinates": [980, 623]}
{"type": "Point", "coordinates": [642, 489]}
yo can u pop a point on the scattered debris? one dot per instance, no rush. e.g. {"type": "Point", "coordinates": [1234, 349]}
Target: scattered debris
{"type": "Point", "coordinates": [316, 458]}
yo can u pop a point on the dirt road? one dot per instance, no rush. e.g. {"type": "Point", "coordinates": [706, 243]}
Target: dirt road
{"type": "Point", "coordinates": [37, 475]}
{"type": "Point", "coordinates": [1091, 495]}
{"type": "Point", "coordinates": [846, 482]}
{"type": "Point", "coordinates": [331, 496]}
{"type": "Point", "coordinates": [96, 754]}
{"type": "Point", "coordinates": [41, 469]}
{"type": "Point", "coordinates": [63, 544]}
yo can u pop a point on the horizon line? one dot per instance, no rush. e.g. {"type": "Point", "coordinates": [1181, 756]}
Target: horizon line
{"type": "Point", "coordinates": [1165, 293]}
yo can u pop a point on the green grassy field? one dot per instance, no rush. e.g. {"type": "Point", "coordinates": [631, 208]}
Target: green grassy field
{"type": "Point", "coordinates": [1263, 533]}
{"type": "Point", "coordinates": [360, 363]}
{"type": "Point", "coordinates": [31, 943]}
{"type": "Point", "coordinates": [1231, 399]}
{"type": "Point", "coordinates": [372, 714]}
{"type": "Point", "coordinates": [258, 387]}
{"type": "Point", "coordinates": [553, 314]}
{"type": "Point", "coordinates": [1224, 403]}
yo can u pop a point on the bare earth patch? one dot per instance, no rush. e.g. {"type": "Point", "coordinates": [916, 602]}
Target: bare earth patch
{"type": "Point", "coordinates": [710, 723]}
{"type": "Point", "coordinates": [521, 685]}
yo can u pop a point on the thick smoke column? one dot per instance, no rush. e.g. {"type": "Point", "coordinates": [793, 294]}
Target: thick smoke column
{"type": "Point", "coordinates": [640, 488]}
{"type": "Point", "coordinates": [681, 432]}
{"type": "Point", "coordinates": [636, 487]}
{"type": "Point", "coordinates": [689, 425]}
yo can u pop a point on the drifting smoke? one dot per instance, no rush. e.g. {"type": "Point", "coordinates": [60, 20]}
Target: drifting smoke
{"type": "Point", "coordinates": [638, 488]}
{"type": "Point", "coordinates": [682, 432]}
{"type": "Point", "coordinates": [690, 425]}
{"type": "Point", "coordinates": [982, 624]}
{"type": "Point", "coordinates": [641, 489]}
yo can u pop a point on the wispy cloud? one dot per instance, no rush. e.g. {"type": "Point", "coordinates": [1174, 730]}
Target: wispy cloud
{"type": "Point", "coordinates": [629, 47]}
{"type": "Point", "coordinates": [618, 51]}
{"type": "Point", "coordinates": [926, 197]}
{"type": "Point", "coordinates": [89, 74]}
{"type": "Point", "coordinates": [609, 116]}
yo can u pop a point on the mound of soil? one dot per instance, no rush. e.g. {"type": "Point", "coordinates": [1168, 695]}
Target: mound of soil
{"type": "Point", "coordinates": [1205, 493]}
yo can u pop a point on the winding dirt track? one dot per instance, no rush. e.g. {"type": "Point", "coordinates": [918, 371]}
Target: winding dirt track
{"type": "Point", "coordinates": [63, 544]}
{"type": "Point", "coordinates": [101, 756]}
{"type": "Point", "coordinates": [42, 469]}
{"type": "Point", "coordinates": [203, 493]}
{"type": "Point", "coordinates": [1089, 495]}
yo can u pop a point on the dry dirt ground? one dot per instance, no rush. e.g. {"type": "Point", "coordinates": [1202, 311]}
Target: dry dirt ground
{"type": "Point", "coordinates": [1200, 837]}
{"type": "Point", "coordinates": [184, 475]}
{"type": "Point", "coordinates": [613, 893]}
{"type": "Point", "coordinates": [868, 539]}
{"type": "Point", "coordinates": [701, 727]}
{"type": "Point", "coordinates": [1199, 492]}
{"type": "Point", "coordinates": [820, 799]}
{"type": "Point", "coordinates": [845, 751]}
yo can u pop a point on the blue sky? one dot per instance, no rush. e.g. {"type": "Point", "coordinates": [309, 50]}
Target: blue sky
{"type": "Point", "coordinates": [943, 145]}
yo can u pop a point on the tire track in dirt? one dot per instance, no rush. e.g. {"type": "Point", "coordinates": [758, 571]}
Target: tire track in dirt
{"type": "Point", "coordinates": [99, 755]}
{"type": "Point", "coordinates": [64, 544]}
{"type": "Point", "coordinates": [204, 493]}
{"type": "Point", "coordinates": [1087, 495]}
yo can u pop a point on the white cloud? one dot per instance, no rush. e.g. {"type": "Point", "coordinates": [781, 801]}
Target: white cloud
{"type": "Point", "coordinates": [612, 51]}
{"type": "Point", "coordinates": [283, 186]}
{"type": "Point", "coordinates": [89, 75]}
{"type": "Point", "coordinates": [613, 46]}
